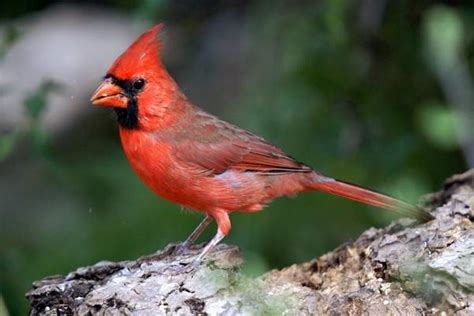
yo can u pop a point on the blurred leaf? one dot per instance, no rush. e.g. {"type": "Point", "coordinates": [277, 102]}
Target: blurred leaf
{"type": "Point", "coordinates": [3, 308]}
{"type": "Point", "coordinates": [42, 143]}
{"type": "Point", "coordinates": [35, 105]}
{"type": "Point", "coordinates": [439, 124]}
{"type": "Point", "coordinates": [10, 36]}
{"type": "Point", "coordinates": [7, 144]}
{"type": "Point", "coordinates": [36, 102]}
{"type": "Point", "coordinates": [150, 9]}
{"type": "Point", "coordinates": [444, 36]}
{"type": "Point", "coordinates": [334, 18]}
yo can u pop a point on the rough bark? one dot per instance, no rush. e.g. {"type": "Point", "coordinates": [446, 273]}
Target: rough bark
{"type": "Point", "coordinates": [402, 269]}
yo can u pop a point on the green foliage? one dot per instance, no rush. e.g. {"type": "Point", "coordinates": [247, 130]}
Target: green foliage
{"type": "Point", "coordinates": [10, 36]}
{"type": "Point", "coordinates": [3, 308]}
{"type": "Point", "coordinates": [444, 36]}
{"type": "Point", "coordinates": [35, 104]}
{"type": "Point", "coordinates": [440, 125]}
{"type": "Point", "coordinates": [7, 144]}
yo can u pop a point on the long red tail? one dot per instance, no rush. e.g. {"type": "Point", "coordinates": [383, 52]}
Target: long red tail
{"type": "Point", "coordinates": [357, 193]}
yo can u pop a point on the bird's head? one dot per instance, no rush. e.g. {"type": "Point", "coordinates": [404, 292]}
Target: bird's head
{"type": "Point", "coordinates": [137, 85]}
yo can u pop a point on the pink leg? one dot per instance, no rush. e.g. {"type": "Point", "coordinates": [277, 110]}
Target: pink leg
{"type": "Point", "coordinates": [223, 228]}
{"type": "Point", "coordinates": [210, 245]}
{"type": "Point", "coordinates": [183, 247]}
{"type": "Point", "coordinates": [198, 231]}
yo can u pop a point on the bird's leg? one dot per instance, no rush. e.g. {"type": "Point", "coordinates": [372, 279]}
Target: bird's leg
{"type": "Point", "coordinates": [188, 267]}
{"type": "Point", "coordinates": [208, 248]}
{"type": "Point", "coordinates": [194, 235]}
{"type": "Point", "coordinates": [223, 228]}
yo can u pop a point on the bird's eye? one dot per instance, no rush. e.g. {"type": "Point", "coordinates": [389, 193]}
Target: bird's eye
{"type": "Point", "coordinates": [138, 84]}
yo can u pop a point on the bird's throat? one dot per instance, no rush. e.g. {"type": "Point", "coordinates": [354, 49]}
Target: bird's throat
{"type": "Point", "coordinates": [128, 118]}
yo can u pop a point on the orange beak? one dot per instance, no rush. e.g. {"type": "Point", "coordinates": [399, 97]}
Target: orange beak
{"type": "Point", "coordinates": [109, 94]}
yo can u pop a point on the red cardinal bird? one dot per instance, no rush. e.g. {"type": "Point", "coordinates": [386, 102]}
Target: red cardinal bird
{"type": "Point", "coordinates": [197, 160]}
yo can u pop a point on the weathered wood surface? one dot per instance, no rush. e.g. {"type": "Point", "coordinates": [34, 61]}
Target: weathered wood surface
{"type": "Point", "coordinates": [401, 269]}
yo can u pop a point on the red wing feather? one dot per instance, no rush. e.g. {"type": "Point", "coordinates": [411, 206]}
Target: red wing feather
{"type": "Point", "coordinates": [238, 150]}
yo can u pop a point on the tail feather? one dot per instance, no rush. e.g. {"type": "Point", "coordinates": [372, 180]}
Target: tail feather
{"type": "Point", "coordinates": [366, 196]}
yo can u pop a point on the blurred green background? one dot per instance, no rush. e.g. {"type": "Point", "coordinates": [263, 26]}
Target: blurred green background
{"type": "Point", "coordinates": [378, 93]}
